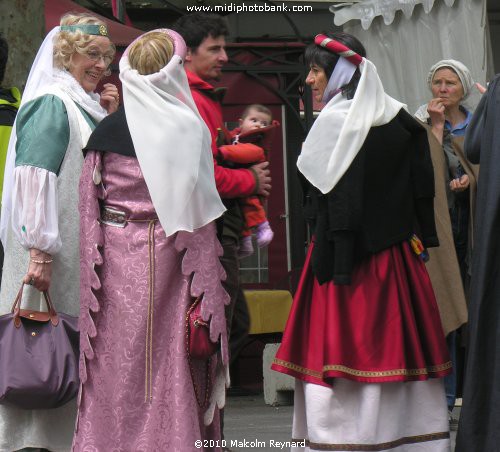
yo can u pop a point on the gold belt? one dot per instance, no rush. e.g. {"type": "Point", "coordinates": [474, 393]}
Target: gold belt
{"type": "Point", "coordinates": [118, 218]}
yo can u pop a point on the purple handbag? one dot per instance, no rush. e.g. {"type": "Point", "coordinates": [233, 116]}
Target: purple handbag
{"type": "Point", "coordinates": [38, 357]}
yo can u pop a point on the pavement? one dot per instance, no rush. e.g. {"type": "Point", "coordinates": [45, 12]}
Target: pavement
{"type": "Point", "coordinates": [248, 418]}
{"type": "Point", "coordinates": [251, 425]}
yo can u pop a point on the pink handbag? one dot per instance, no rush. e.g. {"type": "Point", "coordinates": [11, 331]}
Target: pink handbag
{"type": "Point", "coordinates": [199, 347]}
{"type": "Point", "coordinates": [198, 333]}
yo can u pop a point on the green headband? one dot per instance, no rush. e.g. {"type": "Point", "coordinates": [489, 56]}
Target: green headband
{"type": "Point", "coordinates": [89, 29]}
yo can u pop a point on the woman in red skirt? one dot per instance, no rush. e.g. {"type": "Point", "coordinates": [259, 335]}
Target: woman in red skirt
{"type": "Point", "coordinates": [364, 339]}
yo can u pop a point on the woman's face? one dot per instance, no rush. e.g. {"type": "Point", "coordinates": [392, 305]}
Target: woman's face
{"type": "Point", "coordinates": [447, 86]}
{"type": "Point", "coordinates": [88, 68]}
{"type": "Point", "coordinates": [317, 80]}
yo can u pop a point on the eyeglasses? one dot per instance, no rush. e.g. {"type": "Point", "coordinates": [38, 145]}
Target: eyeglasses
{"type": "Point", "coordinates": [97, 56]}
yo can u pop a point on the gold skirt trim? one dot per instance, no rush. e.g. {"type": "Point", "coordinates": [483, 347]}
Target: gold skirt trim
{"type": "Point", "coordinates": [363, 373]}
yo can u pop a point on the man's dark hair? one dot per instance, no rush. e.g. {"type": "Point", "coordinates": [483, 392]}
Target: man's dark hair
{"type": "Point", "coordinates": [4, 54]}
{"type": "Point", "coordinates": [196, 27]}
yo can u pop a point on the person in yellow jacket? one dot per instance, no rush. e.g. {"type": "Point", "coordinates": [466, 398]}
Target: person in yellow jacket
{"type": "Point", "coordinates": [10, 98]}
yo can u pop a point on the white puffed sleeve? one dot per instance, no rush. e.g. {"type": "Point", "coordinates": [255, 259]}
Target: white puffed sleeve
{"type": "Point", "coordinates": [35, 209]}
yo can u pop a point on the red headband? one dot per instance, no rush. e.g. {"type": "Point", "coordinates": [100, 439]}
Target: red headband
{"type": "Point", "coordinates": [338, 48]}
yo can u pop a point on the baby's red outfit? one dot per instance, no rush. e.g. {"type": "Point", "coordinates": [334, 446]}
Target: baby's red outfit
{"type": "Point", "coordinates": [244, 152]}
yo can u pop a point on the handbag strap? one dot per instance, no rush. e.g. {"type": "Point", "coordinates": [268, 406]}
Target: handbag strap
{"type": "Point", "coordinates": [16, 308]}
{"type": "Point", "coordinates": [201, 403]}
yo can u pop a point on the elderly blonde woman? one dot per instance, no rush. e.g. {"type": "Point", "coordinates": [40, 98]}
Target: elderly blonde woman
{"type": "Point", "coordinates": [40, 197]}
{"type": "Point", "coordinates": [446, 119]}
{"type": "Point", "coordinates": [148, 178]}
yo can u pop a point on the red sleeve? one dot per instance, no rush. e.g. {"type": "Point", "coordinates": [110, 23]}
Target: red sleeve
{"type": "Point", "coordinates": [230, 183]}
{"type": "Point", "coordinates": [234, 183]}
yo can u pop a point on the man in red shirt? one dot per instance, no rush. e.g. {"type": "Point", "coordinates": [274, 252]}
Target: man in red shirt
{"type": "Point", "coordinates": [205, 36]}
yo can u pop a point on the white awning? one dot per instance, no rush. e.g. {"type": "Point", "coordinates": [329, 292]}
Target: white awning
{"type": "Point", "coordinates": [408, 46]}
{"type": "Point", "coordinates": [366, 10]}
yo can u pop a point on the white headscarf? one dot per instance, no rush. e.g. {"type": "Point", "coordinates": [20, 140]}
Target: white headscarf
{"type": "Point", "coordinates": [42, 75]}
{"type": "Point", "coordinates": [461, 70]}
{"type": "Point", "coordinates": [341, 129]}
{"type": "Point", "coordinates": [463, 74]}
{"type": "Point", "coordinates": [341, 76]}
{"type": "Point", "coordinates": [172, 143]}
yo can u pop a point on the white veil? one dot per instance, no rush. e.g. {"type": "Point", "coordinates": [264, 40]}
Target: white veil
{"type": "Point", "coordinates": [341, 128]}
{"type": "Point", "coordinates": [172, 143]}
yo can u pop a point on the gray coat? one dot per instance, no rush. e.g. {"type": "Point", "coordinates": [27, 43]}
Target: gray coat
{"type": "Point", "coordinates": [479, 428]}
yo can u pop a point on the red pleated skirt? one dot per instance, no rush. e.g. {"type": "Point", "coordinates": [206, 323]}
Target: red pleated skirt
{"type": "Point", "coordinates": [383, 327]}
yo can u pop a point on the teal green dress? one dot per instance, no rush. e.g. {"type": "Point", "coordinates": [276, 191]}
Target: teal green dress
{"type": "Point", "coordinates": [43, 133]}
{"type": "Point", "coordinates": [51, 133]}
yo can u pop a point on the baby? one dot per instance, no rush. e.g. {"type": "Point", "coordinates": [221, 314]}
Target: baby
{"type": "Point", "coordinates": [250, 145]}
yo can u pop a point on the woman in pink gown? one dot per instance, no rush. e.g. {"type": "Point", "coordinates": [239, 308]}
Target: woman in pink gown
{"type": "Point", "coordinates": [148, 249]}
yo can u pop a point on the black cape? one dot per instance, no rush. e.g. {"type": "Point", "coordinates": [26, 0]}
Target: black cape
{"type": "Point", "coordinates": [112, 135]}
{"type": "Point", "coordinates": [479, 427]}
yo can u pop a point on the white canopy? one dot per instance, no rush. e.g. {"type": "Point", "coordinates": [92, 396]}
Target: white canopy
{"type": "Point", "coordinates": [367, 10]}
{"type": "Point", "coordinates": [404, 38]}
